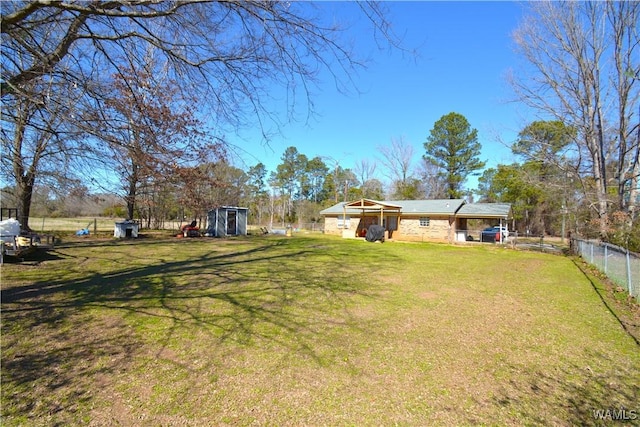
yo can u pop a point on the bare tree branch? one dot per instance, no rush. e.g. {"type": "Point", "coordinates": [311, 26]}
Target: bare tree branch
{"type": "Point", "coordinates": [578, 54]}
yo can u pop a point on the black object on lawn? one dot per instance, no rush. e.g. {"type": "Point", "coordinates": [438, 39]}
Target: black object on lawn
{"type": "Point", "coordinates": [375, 232]}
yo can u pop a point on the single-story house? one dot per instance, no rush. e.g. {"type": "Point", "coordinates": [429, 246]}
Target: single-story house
{"type": "Point", "coordinates": [412, 220]}
{"type": "Point", "coordinates": [227, 221]}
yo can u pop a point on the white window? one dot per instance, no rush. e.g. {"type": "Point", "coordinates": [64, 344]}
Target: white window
{"type": "Point", "coordinates": [424, 221]}
{"type": "Point", "coordinates": [344, 222]}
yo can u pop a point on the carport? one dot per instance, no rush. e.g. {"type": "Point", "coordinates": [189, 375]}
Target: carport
{"type": "Point", "coordinates": [499, 212]}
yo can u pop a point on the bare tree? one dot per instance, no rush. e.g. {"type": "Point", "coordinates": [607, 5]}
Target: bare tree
{"type": "Point", "coordinates": [364, 170]}
{"type": "Point", "coordinates": [580, 54]}
{"type": "Point", "coordinates": [146, 130]}
{"type": "Point", "coordinates": [231, 54]}
{"type": "Point", "coordinates": [434, 185]}
{"type": "Point", "coordinates": [397, 162]}
{"type": "Point", "coordinates": [372, 189]}
{"type": "Point", "coordinates": [38, 145]}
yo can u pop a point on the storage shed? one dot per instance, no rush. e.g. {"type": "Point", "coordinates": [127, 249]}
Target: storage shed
{"type": "Point", "coordinates": [227, 221]}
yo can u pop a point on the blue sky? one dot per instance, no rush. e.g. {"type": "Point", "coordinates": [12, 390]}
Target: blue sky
{"type": "Point", "coordinates": [464, 50]}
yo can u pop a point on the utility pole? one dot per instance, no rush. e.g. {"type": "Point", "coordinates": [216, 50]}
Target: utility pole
{"type": "Point", "coordinates": [564, 215]}
{"type": "Point", "coordinates": [346, 189]}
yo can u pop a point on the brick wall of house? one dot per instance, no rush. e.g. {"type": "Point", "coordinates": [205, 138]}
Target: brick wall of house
{"type": "Point", "coordinates": [410, 229]}
{"type": "Point", "coordinates": [331, 226]}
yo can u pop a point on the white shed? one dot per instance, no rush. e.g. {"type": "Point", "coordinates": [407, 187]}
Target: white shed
{"type": "Point", "coordinates": [126, 229]}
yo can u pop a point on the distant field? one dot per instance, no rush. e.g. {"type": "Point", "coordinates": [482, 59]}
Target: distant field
{"type": "Point", "coordinates": [72, 224]}
{"type": "Point", "coordinates": [94, 224]}
{"type": "Point", "coordinates": [310, 330]}
{"type": "Point", "coordinates": [99, 224]}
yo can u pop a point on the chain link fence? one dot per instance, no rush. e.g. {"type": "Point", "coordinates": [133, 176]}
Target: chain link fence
{"type": "Point", "coordinates": [618, 264]}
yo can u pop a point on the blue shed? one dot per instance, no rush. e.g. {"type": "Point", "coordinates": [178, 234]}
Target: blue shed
{"type": "Point", "coordinates": [227, 221]}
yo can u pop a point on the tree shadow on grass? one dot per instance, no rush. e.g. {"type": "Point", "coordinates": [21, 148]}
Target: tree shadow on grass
{"type": "Point", "coordinates": [116, 284]}
{"type": "Point", "coordinates": [56, 341]}
{"type": "Point", "coordinates": [629, 324]}
{"type": "Point", "coordinates": [573, 394]}
{"type": "Point", "coordinates": [34, 258]}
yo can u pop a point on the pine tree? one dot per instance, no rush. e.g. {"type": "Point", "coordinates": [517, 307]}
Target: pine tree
{"type": "Point", "coordinates": [453, 147]}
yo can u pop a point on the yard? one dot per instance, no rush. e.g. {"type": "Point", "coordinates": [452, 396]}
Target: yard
{"type": "Point", "coordinates": [311, 330]}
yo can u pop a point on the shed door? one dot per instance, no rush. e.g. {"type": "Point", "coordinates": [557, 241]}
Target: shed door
{"type": "Point", "coordinates": [232, 221]}
{"type": "Point", "coordinates": [242, 222]}
{"type": "Point", "coordinates": [220, 222]}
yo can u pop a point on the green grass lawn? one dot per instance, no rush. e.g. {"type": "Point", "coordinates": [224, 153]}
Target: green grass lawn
{"type": "Point", "coordinates": [309, 330]}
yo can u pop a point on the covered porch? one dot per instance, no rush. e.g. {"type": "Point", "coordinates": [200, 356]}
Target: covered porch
{"type": "Point", "coordinates": [372, 212]}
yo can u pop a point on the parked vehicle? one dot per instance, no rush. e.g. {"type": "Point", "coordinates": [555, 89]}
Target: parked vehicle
{"type": "Point", "coordinates": [494, 234]}
{"type": "Point", "coordinates": [489, 235]}
{"type": "Point", "coordinates": [504, 230]}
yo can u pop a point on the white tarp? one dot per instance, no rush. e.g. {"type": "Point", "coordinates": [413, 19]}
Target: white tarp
{"type": "Point", "coordinates": [9, 228]}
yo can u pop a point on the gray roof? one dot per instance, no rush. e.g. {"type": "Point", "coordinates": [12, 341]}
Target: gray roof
{"type": "Point", "coordinates": [434, 207]}
{"type": "Point", "coordinates": [430, 207]}
{"type": "Point", "coordinates": [485, 210]}
{"type": "Point", "coordinates": [337, 209]}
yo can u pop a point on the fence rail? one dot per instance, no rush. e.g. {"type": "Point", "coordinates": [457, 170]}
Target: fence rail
{"type": "Point", "coordinates": [94, 224]}
{"type": "Point", "coordinates": [618, 264]}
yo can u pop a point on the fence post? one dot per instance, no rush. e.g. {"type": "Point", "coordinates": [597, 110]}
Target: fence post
{"type": "Point", "coordinates": [95, 226]}
{"type": "Point", "coordinates": [606, 258]}
{"type": "Point", "coordinates": [629, 282]}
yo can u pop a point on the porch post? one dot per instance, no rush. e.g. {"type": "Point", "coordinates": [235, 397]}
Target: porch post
{"type": "Point", "coordinates": [344, 216]}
